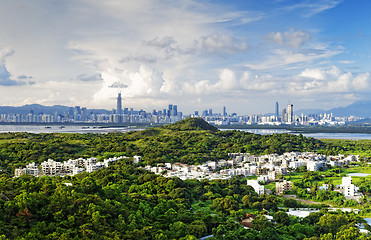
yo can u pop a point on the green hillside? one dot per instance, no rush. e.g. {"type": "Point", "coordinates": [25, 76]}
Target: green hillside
{"type": "Point", "coordinates": [189, 141]}
{"type": "Point", "coordinates": [125, 202]}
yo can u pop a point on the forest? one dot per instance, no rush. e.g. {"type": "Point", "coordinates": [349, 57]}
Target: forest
{"type": "Point", "coordinates": [125, 202]}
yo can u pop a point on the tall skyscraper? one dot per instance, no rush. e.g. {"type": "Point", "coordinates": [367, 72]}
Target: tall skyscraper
{"type": "Point", "coordinates": [290, 113]}
{"type": "Point", "coordinates": [77, 113]}
{"type": "Point", "coordinates": [119, 104]}
{"type": "Point", "coordinates": [277, 113]}
{"type": "Point", "coordinates": [224, 111]}
{"type": "Point", "coordinates": [284, 115]}
{"type": "Point", "coordinates": [170, 109]}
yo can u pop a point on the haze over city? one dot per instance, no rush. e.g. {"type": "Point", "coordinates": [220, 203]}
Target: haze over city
{"type": "Point", "coordinates": [244, 55]}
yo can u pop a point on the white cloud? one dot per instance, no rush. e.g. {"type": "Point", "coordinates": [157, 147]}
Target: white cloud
{"type": "Point", "coordinates": [158, 52]}
{"type": "Point", "coordinates": [5, 75]}
{"type": "Point", "coordinates": [309, 8]}
{"type": "Point", "coordinates": [290, 39]}
{"type": "Point", "coordinates": [219, 43]}
{"type": "Point", "coordinates": [330, 81]}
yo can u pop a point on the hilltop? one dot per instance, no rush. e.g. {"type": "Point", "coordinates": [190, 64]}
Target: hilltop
{"type": "Point", "coordinates": [190, 124]}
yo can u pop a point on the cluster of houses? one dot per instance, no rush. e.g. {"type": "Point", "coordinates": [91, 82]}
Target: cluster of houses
{"type": "Point", "coordinates": [266, 167]}
{"type": "Point", "coordinates": [70, 167]}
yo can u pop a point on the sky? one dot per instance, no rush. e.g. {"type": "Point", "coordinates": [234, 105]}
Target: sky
{"type": "Point", "coordinates": [241, 54]}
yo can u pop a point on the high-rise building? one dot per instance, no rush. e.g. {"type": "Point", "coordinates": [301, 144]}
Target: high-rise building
{"type": "Point", "coordinates": [277, 113]}
{"type": "Point", "coordinates": [119, 104]}
{"type": "Point", "coordinates": [224, 111]}
{"type": "Point", "coordinates": [210, 112]}
{"type": "Point", "coordinates": [83, 114]}
{"type": "Point", "coordinates": [284, 115]}
{"type": "Point", "coordinates": [290, 113]}
{"type": "Point", "coordinates": [77, 113]}
{"type": "Point", "coordinates": [170, 109]}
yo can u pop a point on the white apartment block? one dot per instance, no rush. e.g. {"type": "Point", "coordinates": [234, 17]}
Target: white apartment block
{"type": "Point", "coordinates": [349, 189]}
{"type": "Point", "coordinates": [259, 189]}
{"type": "Point", "coordinates": [314, 166]}
{"type": "Point", "coordinates": [70, 167]}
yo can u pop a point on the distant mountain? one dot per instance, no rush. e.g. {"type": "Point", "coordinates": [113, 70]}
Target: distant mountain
{"type": "Point", "coordinates": [359, 109]}
{"type": "Point", "coordinates": [40, 109]}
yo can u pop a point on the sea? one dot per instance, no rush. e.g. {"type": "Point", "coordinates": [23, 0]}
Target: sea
{"type": "Point", "coordinates": [104, 129]}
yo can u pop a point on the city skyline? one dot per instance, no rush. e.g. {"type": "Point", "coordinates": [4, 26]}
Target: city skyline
{"type": "Point", "coordinates": [240, 54]}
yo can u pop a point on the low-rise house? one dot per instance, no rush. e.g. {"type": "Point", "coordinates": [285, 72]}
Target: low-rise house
{"type": "Point", "coordinates": [137, 159]}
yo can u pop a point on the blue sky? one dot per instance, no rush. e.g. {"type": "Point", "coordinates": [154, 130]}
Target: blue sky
{"type": "Point", "coordinates": [244, 55]}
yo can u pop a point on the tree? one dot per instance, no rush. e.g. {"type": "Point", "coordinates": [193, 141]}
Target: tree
{"type": "Point", "coordinates": [349, 233]}
{"type": "Point", "coordinates": [281, 218]}
{"type": "Point", "coordinates": [261, 222]}
{"type": "Point", "coordinates": [332, 222]}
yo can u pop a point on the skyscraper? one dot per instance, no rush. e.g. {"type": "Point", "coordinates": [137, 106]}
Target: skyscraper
{"type": "Point", "coordinates": [224, 111]}
{"type": "Point", "coordinates": [290, 113]}
{"type": "Point", "coordinates": [284, 115]}
{"type": "Point", "coordinates": [119, 104]}
{"type": "Point", "coordinates": [277, 113]}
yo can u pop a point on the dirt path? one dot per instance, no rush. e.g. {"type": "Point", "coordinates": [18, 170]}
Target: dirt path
{"type": "Point", "coordinates": [309, 202]}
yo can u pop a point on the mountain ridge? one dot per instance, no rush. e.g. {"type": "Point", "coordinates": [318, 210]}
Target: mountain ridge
{"type": "Point", "coordinates": [358, 109]}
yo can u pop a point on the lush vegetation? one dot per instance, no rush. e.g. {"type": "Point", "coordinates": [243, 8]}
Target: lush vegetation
{"type": "Point", "coordinates": [190, 141]}
{"type": "Point", "coordinates": [125, 202]}
{"type": "Point", "coordinates": [355, 147]}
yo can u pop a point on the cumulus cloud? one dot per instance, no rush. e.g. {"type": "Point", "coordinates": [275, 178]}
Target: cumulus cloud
{"type": "Point", "coordinates": [5, 76]}
{"type": "Point", "coordinates": [330, 81]}
{"type": "Point", "coordinates": [290, 39]}
{"type": "Point", "coordinates": [145, 82]}
{"type": "Point", "coordinates": [233, 83]}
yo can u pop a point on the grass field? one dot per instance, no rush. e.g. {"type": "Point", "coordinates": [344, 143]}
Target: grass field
{"type": "Point", "coordinates": [337, 179]}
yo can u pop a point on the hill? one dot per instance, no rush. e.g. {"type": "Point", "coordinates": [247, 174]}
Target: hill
{"type": "Point", "coordinates": [190, 124]}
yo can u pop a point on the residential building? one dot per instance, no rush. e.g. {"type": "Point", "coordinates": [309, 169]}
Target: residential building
{"type": "Point", "coordinates": [259, 189]}
{"type": "Point", "coordinates": [283, 186]}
